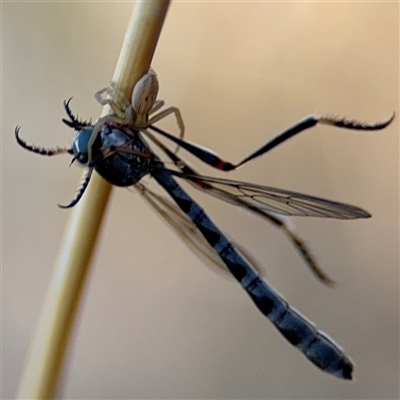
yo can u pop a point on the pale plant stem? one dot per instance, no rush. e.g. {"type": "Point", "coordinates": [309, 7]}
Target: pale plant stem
{"type": "Point", "coordinates": [48, 347]}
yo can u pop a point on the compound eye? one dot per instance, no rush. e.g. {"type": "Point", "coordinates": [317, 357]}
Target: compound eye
{"type": "Point", "coordinates": [80, 145]}
{"type": "Point", "coordinates": [82, 158]}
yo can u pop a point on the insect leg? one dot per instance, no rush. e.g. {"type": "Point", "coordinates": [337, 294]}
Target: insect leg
{"type": "Point", "coordinates": [288, 229]}
{"type": "Point", "coordinates": [75, 123]}
{"type": "Point", "coordinates": [40, 150]}
{"type": "Point", "coordinates": [215, 161]}
{"type": "Point", "coordinates": [81, 189]}
{"type": "Point", "coordinates": [311, 121]}
{"type": "Point", "coordinates": [278, 221]}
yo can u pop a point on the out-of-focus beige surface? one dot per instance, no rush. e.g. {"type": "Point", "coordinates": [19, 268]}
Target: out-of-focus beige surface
{"type": "Point", "coordinates": [156, 323]}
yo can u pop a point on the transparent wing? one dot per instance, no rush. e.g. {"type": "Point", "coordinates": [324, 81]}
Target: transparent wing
{"type": "Point", "coordinates": [280, 201]}
{"type": "Point", "coordinates": [189, 233]}
{"type": "Point", "coordinates": [279, 221]}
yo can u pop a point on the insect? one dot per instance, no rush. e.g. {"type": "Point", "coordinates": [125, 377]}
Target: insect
{"type": "Point", "coordinates": [116, 148]}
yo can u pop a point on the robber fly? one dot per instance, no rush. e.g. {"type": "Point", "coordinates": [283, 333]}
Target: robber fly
{"type": "Point", "coordinates": [116, 147]}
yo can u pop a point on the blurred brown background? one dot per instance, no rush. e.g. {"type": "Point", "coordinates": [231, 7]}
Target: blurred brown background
{"type": "Point", "coordinates": [155, 322]}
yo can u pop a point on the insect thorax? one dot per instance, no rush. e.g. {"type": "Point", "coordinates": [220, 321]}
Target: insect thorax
{"type": "Point", "coordinates": [129, 159]}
